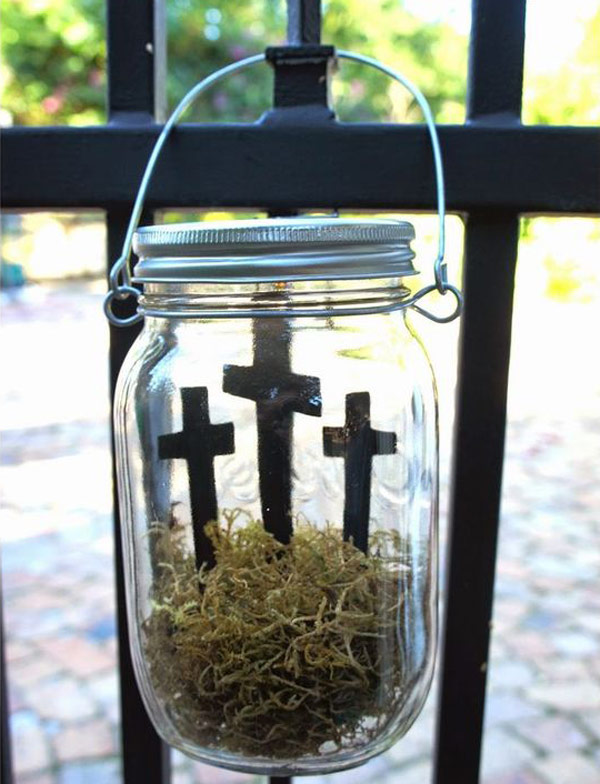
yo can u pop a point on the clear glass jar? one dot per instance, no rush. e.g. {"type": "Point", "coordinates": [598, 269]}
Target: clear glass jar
{"type": "Point", "coordinates": [277, 466]}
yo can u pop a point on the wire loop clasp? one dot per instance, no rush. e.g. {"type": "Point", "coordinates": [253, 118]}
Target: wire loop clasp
{"type": "Point", "coordinates": [120, 275]}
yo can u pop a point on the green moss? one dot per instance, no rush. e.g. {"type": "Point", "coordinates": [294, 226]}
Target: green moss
{"type": "Point", "coordinates": [277, 649]}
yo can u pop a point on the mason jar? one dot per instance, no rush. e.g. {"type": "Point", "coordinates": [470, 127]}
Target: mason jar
{"type": "Point", "coordinates": [277, 448]}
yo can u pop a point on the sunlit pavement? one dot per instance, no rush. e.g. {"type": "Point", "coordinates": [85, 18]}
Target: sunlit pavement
{"type": "Point", "coordinates": [543, 709]}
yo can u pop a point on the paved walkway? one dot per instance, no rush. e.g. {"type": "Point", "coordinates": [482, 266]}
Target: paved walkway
{"type": "Point", "coordinates": [543, 711]}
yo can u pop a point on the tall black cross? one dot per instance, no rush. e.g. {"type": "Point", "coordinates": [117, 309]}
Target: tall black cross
{"type": "Point", "coordinates": [198, 443]}
{"type": "Point", "coordinates": [357, 442]}
{"type": "Point", "coordinates": [278, 393]}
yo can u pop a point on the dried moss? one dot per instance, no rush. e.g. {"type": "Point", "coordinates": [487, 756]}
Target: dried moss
{"type": "Point", "coordinates": [277, 650]}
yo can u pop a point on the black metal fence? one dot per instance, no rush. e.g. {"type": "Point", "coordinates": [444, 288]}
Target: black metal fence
{"type": "Point", "coordinates": [496, 170]}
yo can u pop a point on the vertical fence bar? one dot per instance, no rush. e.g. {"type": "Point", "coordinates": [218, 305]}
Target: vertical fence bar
{"type": "Point", "coordinates": [145, 757]}
{"type": "Point", "coordinates": [136, 51]}
{"type": "Point", "coordinates": [303, 27]}
{"type": "Point", "coordinates": [490, 254]}
{"type": "Point", "coordinates": [6, 771]}
{"type": "Point", "coordinates": [304, 22]}
{"type": "Point", "coordinates": [491, 245]}
{"type": "Point", "coordinates": [136, 41]}
{"type": "Point", "coordinates": [496, 52]}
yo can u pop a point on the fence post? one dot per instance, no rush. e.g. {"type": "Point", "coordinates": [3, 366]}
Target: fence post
{"type": "Point", "coordinates": [491, 243]}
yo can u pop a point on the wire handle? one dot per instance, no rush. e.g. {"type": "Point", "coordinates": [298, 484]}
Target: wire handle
{"type": "Point", "coordinates": [120, 276]}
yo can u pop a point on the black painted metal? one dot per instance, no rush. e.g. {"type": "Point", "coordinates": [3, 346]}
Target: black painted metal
{"type": "Point", "coordinates": [136, 45]}
{"type": "Point", "coordinates": [490, 256]}
{"type": "Point", "coordinates": [494, 91]}
{"type": "Point", "coordinates": [136, 64]}
{"type": "Point", "coordinates": [6, 771]}
{"type": "Point", "coordinates": [301, 85]}
{"type": "Point", "coordinates": [304, 22]}
{"type": "Point", "coordinates": [496, 60]}
{"type": "Point", "coordinates": [527, 169]}
{"type": "Point", "coordinates": [145, 757]}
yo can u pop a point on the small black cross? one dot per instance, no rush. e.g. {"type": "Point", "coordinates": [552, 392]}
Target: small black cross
{"type": "Point", "coordinates": [357, 442]}
{"type": "Point", "coordinates": [198, 443]}
{"type": "Point", "coordinates": [278, 393]}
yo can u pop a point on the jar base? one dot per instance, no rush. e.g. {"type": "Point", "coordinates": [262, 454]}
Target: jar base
{"type": "Point", "coordinates": [312, 767]}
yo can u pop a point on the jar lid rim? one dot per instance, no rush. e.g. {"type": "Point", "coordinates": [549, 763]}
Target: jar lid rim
{"type": "Point", "coordinates": [149, 240]}
{"type": "Point", "coordinates": [274, 249]}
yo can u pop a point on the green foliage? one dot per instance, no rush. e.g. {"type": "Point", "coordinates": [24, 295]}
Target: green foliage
{"type": "Point", "coordinates": [54, 67]}
{"type": "Point", "coordinates": [434, 56]}
{"type": "Point", "coordinates": [569, 94]}
{"type": "Point", "coordinates": [558, 259]}
{"type": "Point", "coordinates": [205, 36]}
{"type": "Point", "coordinates": [55, 59]}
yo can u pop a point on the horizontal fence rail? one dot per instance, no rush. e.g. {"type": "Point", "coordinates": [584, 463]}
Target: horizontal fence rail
{"type": "Point", "coordinates": [496, 169]}
{"type": "Point", "coordinates": [526, 169]}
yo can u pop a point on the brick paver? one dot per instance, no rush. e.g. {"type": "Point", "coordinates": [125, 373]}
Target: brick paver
{"type": "Point", "coordinates": [85, 740]}
{"type": "Point", "coordinates": [573, 768]}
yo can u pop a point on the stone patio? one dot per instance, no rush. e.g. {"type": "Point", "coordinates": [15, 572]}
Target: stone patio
{"type": "Point", "coordinates": [543, 709]}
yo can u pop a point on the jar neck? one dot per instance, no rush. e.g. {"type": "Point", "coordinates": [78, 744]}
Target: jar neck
{"type": "Point", "coordinates": [294, 299]}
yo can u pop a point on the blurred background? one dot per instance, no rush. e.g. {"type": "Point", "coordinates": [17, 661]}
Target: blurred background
{"type": "Point", "coordinates": [543, 710]}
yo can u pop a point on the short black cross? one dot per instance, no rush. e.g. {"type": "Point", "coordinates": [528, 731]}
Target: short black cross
{"type": "Point", "coordinates": [278, 393]}
{"type": "Point", "coordinates": [357, 442]}
{"type": "Point", "coordinates": [198, 443]}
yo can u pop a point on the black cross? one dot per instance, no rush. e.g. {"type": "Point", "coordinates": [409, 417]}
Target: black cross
{"type": "Point", "coordinates": [357, 442]}
{"type": "Point", "coordinates": [198, 443]}
{"type": "Point", "coordinates": [278, 393]}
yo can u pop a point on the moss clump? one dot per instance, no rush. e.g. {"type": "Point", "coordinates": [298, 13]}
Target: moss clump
{"type": "Point", "coordinates": [277, 650]}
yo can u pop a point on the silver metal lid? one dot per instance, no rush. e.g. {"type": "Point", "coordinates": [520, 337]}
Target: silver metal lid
{"type": "Point", "coordinates": [274, 249]}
